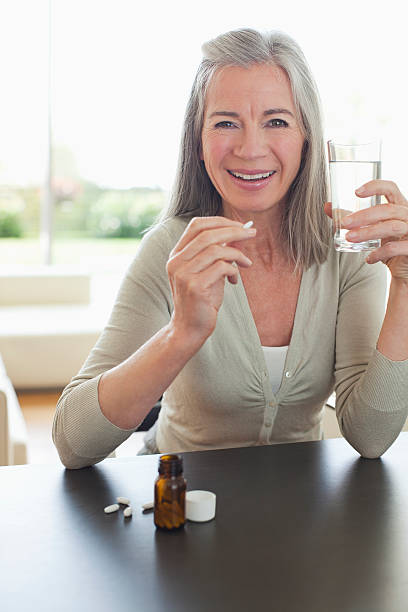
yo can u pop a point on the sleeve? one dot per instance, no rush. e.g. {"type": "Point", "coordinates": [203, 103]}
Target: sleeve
{"type": "Point", "coordinates": [371, 390]}
{"type": "Point", "coordinates": [82, 434]}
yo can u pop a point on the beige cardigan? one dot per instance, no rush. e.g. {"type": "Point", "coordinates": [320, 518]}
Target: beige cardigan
{"type": "Point", "coordinates": [222, 397]}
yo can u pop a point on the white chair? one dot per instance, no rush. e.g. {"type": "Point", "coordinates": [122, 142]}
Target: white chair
{"type": "Point", "coordinates": [13, 430]}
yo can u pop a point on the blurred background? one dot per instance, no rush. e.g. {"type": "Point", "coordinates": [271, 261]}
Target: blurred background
{"type": "Point", "coordinates": [107, 82]}
{"type": "Point", "coordinates": [93, 98]}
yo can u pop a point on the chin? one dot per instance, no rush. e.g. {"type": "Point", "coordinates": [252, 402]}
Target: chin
{"type": "Point", "coordinates": [253, 205]}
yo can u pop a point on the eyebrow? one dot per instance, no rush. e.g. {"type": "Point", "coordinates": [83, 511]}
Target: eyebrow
{"type": "Point", "coordinates": [267, 113]}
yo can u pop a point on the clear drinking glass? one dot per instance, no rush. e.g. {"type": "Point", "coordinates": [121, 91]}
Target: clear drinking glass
{"type": "Point", "coordinates": [350, 167]}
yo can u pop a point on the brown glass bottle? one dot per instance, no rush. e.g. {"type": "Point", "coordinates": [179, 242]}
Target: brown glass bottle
{"type": "Point", "coordinates": [170, 493]}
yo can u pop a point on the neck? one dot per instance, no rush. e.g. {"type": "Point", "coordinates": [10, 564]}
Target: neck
{"type": "Point", "coordinates": [266, 248]}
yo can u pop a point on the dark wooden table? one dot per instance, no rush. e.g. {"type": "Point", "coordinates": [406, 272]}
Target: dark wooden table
{"type": "Point", "coordinates": [299, 527]}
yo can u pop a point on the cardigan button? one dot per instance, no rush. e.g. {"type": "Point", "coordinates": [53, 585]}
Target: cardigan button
{"type": "Point", "coordinates": [288, 374]}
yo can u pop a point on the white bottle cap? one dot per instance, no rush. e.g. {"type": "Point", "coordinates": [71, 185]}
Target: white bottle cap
{"type": "Point", "coordinates": [200, 506]}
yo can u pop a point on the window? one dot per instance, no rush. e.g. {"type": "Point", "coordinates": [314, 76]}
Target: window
{"type": "Point", "coordinates": [120, 76]}
{"type": "Point", "coordinates": [23, 129]}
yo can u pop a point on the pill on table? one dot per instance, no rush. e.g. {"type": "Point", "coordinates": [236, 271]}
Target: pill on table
{"type": "Point", "coordinates": [148, 506]}
{"type": "Point", "coordinates": [127, 511]}
{"type": "Point", "coordinates": [123, 500]}
{"type": "Point", "coordinates": [112, 508]}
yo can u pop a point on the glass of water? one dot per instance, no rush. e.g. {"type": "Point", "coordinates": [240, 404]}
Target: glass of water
{"type": "Point", "coordinates": [350, 167]}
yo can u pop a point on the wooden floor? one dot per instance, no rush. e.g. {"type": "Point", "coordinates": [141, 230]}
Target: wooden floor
{"type": "Point", "coordinates": [38, 410]}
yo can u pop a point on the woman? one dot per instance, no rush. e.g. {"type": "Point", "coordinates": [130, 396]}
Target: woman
{"type": "Point", "coordinates": [250, 361]}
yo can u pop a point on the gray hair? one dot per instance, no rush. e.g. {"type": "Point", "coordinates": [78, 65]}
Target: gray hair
{"type": "Point", "coordinates": [305, 229]}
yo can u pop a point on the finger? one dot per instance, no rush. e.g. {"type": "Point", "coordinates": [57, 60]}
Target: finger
{"type": "Point", "coordinates": [387, 251]}
{"type": "Point", "coordinates": [388, 189]}
{"type": "Point", "coordinates": [220, 236]}
{"type": "Point", "coordinates": [198, 224]}
{"type": "Point", "coordinates": [386, 229]}
{"type": "Point", "coordinates": [375, 214]}
{"type": "Point", "coordinates": [217, 271]}
{"type": "Point", "coordinates": [216, 252]}
{"type": "Point", "coordinates": [208, 256]}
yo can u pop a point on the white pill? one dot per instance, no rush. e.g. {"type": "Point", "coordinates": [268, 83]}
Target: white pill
{"type": "Point", "coordinates": [247, 225]}
{"type": "Point", "coordinates": [112, 508]}
{"type": "Point", "coordinates": [127, 511]}
{"type": "Point", "coordinates": [123, 500]}
{"type": "Point", "coordinates": [148, 506]}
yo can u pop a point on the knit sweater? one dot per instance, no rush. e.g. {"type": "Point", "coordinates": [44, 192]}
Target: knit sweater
{"type": "Point", "coordinates": [223, 397]}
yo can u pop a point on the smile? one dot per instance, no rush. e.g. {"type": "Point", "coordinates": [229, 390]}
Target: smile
{"type": "Point", "coordinates": [251, 177]}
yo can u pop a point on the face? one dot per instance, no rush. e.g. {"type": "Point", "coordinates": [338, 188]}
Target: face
{"type": "Point", "coordinates": [251, 143]}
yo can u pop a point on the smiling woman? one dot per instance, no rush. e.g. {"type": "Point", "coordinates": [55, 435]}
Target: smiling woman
{"type": "Point", "coordinates": [253, 153]}
{"type": "Point", "coordinates": [253, 360]}
{"type": "Point", "coordinates": [256, 102]}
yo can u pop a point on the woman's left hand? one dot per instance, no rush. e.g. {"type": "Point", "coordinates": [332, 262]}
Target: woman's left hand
{"type": "Point", "coordinates": [386, 221]}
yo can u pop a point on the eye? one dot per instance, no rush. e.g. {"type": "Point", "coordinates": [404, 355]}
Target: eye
{"type": "Point", "coordinates": [278, 123]}
{"type": "Point", "coordinates": [224, 124]}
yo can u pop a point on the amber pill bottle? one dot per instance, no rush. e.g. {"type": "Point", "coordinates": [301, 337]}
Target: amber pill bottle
{"type": "Point", "coordinates": [170, 493]}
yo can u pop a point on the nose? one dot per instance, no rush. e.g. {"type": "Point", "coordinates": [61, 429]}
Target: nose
{"type": "Point", "coordinates": [250, 143]}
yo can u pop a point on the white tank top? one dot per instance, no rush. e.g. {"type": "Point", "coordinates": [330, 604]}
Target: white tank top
{"type": "Point", "coordinates": [275, 357]}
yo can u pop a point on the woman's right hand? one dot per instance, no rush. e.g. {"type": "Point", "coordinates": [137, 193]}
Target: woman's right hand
{"type": "Point", "coordinates": [197, 268]}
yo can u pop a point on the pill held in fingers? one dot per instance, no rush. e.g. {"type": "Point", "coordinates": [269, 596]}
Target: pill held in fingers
{"type": "Point", "coordinates": [247, 225]}
{"type": "Point", "coordinates": [111, 508]}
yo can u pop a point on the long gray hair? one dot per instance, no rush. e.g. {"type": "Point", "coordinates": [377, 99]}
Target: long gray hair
{"type": "Point", "coordinates": [305, 229]}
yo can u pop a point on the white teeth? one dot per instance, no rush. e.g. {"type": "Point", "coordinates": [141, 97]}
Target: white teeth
{"type": "Point", "coordinates": [251, 177]}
